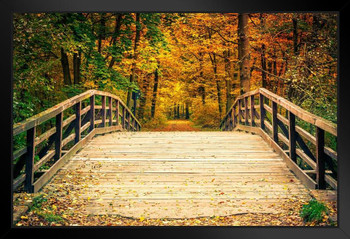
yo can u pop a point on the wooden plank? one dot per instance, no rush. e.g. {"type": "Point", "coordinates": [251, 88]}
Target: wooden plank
{"type": "Point", "coordinates": [320, 159]}
{"type": "Point", "coordinates": [110, 111]}
{"type": "Point", "coordinates": [117, 112]}
{"type": "Point", "coordinates": [262, 112]}
{"type": "Point", "coordinates": [252, 110]}
{"type": "Point", "coordinates": [246, 111]}
{"type": "Point", "coordinates": [274, 122]}
{"type": "Point", "coordinates": [30, 160]}
{"type": "Point", "coordinates": [58, 136]}
{"type": "Point", "coordinates": [103, 100]}
{"type": "Point", "coordinates": [309, 182]}
{"type": "Point", "coordinates": [85, 126]}
{"type": "Point", "coordinates": [92, 113]}
{"type": "Point", "coordinates": [44, 159]}
{"type": "Point", "coordinates": [292, 137]}
{"type": "Point", "coordinates": [58, 164]}
{"type": "Point", "coordinates": [283, 139]}
{"type": "Point", "coordinates": [77, 122]}
{"type": "Point", "coordinates": [268, 108]}
{"type": "Point", "coordinates": [18, 153]}
{"type": "Point", "coordinates": [18, 181]}
{"type": "Point", "coordinates": [85, 110]}
{"type": "Point", "coordinates": [49, 113]}
{"type": "Point", "coordinates": [301, 113]}
{"type": "Point", "coordinates": [67, 140]}
{"type": "Point", "coordinates": [306, 158]}
{"type": "Point", "coordinates": [45, 136]}
{"type": "Point", "coordinates": [68, 120]}
{"type": "Point", "coordinates": [108, 129]}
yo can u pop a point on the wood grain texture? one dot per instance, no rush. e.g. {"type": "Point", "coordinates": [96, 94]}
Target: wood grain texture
{"type": "Point", "coordinates": [179, 175]}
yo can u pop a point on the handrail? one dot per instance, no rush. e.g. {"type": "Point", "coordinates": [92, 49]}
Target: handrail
{"type": "Point", "coordinates": [82, 120]}
{"type": "Point", "coordinates": [283, 131]}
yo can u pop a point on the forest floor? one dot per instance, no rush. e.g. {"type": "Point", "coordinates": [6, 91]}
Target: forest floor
{"type": "Point", "coordinates": [177, 125]}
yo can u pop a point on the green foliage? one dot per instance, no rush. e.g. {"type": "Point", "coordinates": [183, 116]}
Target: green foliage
{"type": "Point", "coordinates": [37, 202]}
{"type": "Point", "coordinates": [313, 211]}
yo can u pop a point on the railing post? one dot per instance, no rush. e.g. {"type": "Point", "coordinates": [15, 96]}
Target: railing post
{"type": "Point", "coordinates": [110, 111]}
{"type": "Point", "coordinates": [77, 122]}
{"type": "Point", "coordinates": [320, 159]}
{"type": "Point", "coordinates": [246, 110]}
{"type": "Point", "coordinates": [262, 111]}
{"type": "Point", "coordinates": [117, 112]}
{"type": "Point", "coordinates": [274, 122]}
{"type": "Point", "coordinates": [58, 139]}
{"type": "Point", "coordinates": [292, 137]}
{"type": "Point", "coordinates": [30, 160]}
{"type": "Point", "coordinates": [231, 119]}
{"type": "Point", "coordinates": [252, 110]}
{"type": "Point", "coordinates": [92, 113]}
{"type": "Point", "coordinates": [239, 111]}
{"type": "Point", "coordinates": [129, 120]}
{"type": "Point", "coordinates": [103, 100]}
{"type": "Point", "coordinates": [123, 117]}
{"type": "Point", "coordinates": [233, 116]}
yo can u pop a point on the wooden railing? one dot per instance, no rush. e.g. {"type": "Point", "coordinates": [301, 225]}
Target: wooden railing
{"type": "Point", "coordinates": [260, 111]}
{"type": "Point", "coordinates": [57, 144]}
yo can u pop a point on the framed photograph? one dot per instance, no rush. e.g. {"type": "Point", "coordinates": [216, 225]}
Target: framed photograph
{"type": "Point", "coordinates": [202, 119]}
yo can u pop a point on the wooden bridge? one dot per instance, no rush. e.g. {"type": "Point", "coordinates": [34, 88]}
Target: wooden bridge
{"type": "Point", "coordinates": [261, 161]}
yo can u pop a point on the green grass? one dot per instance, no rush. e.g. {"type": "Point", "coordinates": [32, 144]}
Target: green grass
{"type": "Point", "coordinates": [313, 211]}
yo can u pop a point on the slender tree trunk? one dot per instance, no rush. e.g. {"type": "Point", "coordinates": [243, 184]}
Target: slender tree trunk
{"type": "Point", "coordinates": [102, 32]}
{"type": "Point", "coordinates": [155, 89]}
{"type": "Point", "coordinates": [178, 111]}
{"type": "Point", "coordinates": [263, 66]}
{"type": "Point", "coordinates": [187, 110]}
{"type": "Point", "coordinates": [218, 87]}
{"type": "Point", "coordinates": [295, 35]}
{"type": "Point", "coordinates": [143, 98]}
{"type": "Point", "coordinates": [133, 69]}
{"type": "Point", "coordinates": [76, 67]}
{"type": "Point", "coordinates": [243, 52]}
{"type": "Point", "coordinates": [201, 88]}
{"type": "Point", "coordinates": [229, 79]}
{"type": "Point", "coordinates": [65, 67]}
{"type": "Point", "coordinates": [118, 23]}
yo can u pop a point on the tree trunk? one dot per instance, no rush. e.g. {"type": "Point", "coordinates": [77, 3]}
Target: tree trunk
{"type": "Point", "coordinates": [101, 33]}
{"type": "Point", "coordinates": [133, 69]}
{"type": "Point", "coordinates": [218, 87]}
{"type": "Point", "coordinates": [118, 23]}
{"type": "Point", "coordinates": [143, 98]}
{"type": "Point", "coordinates": [154, 97]}
{"type": "Point", "coordinates": [65, 67]}
{"type": "Point", "coordinates": [187, 110]}
{"type": "Point", "coordinates": [243, 52]}
{"type": "Point", "coordinates": [295, 35]}
{"type": "Point", "coordinates": [201, 88]}
{"type": "Point", "coordinates": [76, 67]}
{"type": "Point", "coordinates": [263, 66]}
{"type": "Point", "coordinates": [229, 79]}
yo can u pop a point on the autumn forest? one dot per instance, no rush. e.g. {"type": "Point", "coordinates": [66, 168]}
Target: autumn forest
{"type": "Point", "coordinates": [176, 65]}
{"type": "Point", "coordinates": [93, 93]}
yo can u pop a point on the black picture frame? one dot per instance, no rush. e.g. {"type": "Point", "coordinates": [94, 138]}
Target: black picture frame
{"type": "Point", "coordinates": [8, 7]}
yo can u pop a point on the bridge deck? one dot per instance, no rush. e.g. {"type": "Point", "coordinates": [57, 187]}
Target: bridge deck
{"type": "Point", "coordinates": [178, 175]}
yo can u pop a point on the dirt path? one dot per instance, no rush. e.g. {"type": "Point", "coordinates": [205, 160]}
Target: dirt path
{"type": "Point", "coordinates": [178, 125]}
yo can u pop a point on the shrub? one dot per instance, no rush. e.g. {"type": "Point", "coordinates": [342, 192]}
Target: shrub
{"type": "Point", "coordinates": [313, 211]}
